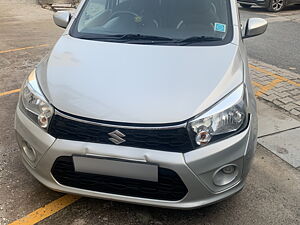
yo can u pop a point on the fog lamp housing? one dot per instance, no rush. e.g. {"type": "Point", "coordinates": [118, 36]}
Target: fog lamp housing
{"type": "Point", "coordinates": [225, 175]}
{"type": "Point", "coordinates": [29, 151]}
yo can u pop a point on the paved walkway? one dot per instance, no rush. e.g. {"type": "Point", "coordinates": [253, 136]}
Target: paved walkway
{"type": "Point", "coordinates": [278, 105]}
{"type": "Point", "coordinates": [277, 86]}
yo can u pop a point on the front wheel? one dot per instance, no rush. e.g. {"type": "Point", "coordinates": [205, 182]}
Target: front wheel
{"type": "Point", "coordinates": [276, 5]}
{"type": "Point", "coordinates": [246, 6]}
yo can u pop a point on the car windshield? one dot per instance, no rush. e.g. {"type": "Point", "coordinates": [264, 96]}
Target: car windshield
{"type": "Point", "coordinates": [155, 21]}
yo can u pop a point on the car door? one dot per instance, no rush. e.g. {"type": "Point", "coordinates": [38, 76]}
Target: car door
{"type": "Point", "coordinates": [290, 2]}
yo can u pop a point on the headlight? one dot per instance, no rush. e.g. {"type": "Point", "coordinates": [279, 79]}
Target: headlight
{"type": "Point", "coordinates": [34, 103]}
{"type": "Point", "coordinates": [224, 119]}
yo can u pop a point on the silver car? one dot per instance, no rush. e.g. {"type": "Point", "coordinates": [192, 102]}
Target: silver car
{"type": "Point", "coordinates": [143, 101]}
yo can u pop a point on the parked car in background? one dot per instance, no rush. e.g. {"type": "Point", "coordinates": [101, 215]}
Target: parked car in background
{"type": "Point", "coordinates": [270, 5]}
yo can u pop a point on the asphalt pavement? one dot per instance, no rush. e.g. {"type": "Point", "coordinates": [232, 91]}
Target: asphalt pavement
{"type": "Point", "coordinates": [280, 45]}
{"type": "Point", "coordinates": [271, 195]}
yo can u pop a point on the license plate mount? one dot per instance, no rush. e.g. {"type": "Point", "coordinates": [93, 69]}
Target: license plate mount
{"type": "Point", "coordinates": [116, 168]}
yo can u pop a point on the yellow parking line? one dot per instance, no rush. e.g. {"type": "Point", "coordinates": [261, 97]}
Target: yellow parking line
{"type": "Point", "coordinates": [274, 75]}
{"type": "Point", "coordinates": [257, 84]}
{"type": "Point", "coordinates": [10, 92]}
{"type": "Point", "coordinates": [266, 88]}
{"type": "Point", "coordinates": [260, 86]}
{"type": "Point", "coordinates": [25, 48]}
{"type": "Point", "coordinates": [46, 211]}
{"type": "Point", "coordinates": [271, 85]}
{"type": "Point", "coordinates": [258, 93]}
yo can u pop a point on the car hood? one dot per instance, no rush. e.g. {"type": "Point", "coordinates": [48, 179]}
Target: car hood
{"type": "Point", "coordinates": [133, 83]}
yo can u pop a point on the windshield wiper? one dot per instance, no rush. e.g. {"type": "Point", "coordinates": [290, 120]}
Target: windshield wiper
{"type": "Point", "coordinates": [129, 37]}
{"type": "Point", "coordinates": [142, 37]}
{"type": "Point", "coordinates": [150, 38]}
{"type": "Point", "coordinates": [197, 39]}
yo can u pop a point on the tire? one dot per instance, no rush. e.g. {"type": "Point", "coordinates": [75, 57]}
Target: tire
{"type": "Point", "coordinates": [246, 6]}
{"type": "Point", "coordinates": [276, 5]}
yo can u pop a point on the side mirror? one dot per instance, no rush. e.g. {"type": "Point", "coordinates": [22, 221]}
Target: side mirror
{"type": "Point", "coordinates": [255, 27]}
{"type": "Point", "coordinates": [62, 18]}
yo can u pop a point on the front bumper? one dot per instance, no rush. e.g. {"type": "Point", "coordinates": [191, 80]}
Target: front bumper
{"type": "Point", "coordinates": [195, 168]}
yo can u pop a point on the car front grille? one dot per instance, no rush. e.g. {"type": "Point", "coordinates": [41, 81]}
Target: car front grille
{"type": "Point", "coordinates": [173, 139]}
{"type": "Point", "coordinates": [169, 186]}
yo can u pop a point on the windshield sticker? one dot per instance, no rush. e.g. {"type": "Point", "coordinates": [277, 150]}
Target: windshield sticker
{"type": "Point", "coordinates": [220, 27]}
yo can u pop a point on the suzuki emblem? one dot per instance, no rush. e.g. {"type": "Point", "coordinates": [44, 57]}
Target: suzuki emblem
{"type": "Point", "coordinates": [117, 137]}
